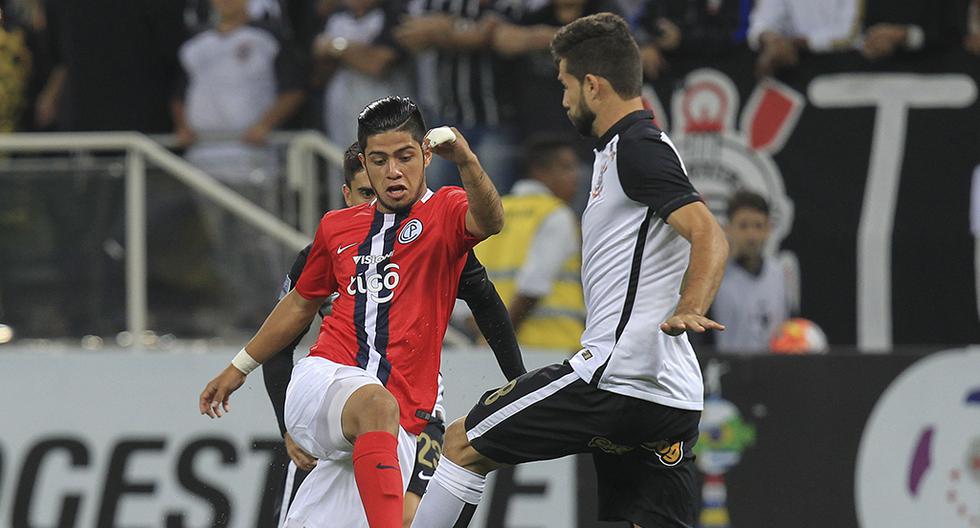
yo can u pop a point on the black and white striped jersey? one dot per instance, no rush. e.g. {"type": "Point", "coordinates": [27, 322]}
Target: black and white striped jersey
{"type": "Point", "coordinates": [633, 263]}
{"type": "Point", "coordinates": [468, 82]}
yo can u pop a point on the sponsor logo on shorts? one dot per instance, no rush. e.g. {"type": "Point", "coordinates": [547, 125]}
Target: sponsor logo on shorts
{"type": "Point", "coordinates": [669, 454]}
{"type": "Point", "coordinates": [411, 231]}
{"type": "Point", "coordinates": [423, 476]}
{"type": "Point", "coordinates": [607, 445]}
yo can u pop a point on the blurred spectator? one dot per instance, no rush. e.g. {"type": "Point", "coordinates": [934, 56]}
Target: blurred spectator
{"type": "Point", "coordinates": [538, 101]}
{"type": "Point", "coordinates": [535, 262]}
{"type": "Point", "coordinates": [780, 29]}
{"type": "Point", "coordinates": [116, 64]}
{"type": "Point", "coordinates": [752, 300]}
{"type": "Point", "coordinates": [30, 17]}
{"type": "Point", "coordinates": [306, 19]}
{"type": "Point", "coordinates": [698, 28]}
{"type": "Point", "coordinates": [242, 80]}
{"type": "Point", "coordinates": [358, 53]}
{"type": "Point", "coordinates": [113, 65]}
{"type": "Point", "coordinates": [297, 20]}
{"type": "Point", "coordinates": [466, 79]}
{"type": "Point", "coordinates": [972, 40]}
{"type": "Point", "coordinates": [15, 67]}
{"type": "Point", "coordinates": [19, 22]}
{"type": "Point", "coordinates": [910, 25]}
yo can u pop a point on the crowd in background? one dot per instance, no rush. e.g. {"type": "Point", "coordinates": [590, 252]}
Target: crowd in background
{"type": "Point", "coordinates": [222, 74]}
{"type": "Point", "coordinates": [483, 65]}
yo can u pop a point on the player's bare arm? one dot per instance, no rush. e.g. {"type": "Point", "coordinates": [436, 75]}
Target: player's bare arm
{"type": "Point", "coordinates": [709, 252]}
{"type": "Point", "coordinates": [288, 318]}
{"type": "Point", "coordinates": [485, 216]}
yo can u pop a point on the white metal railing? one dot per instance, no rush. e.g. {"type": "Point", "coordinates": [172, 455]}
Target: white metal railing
{"type": "Point", "coordinates": [301, 170]}
{"type": "Point", "coordinates": [301, 176]}
{"type": "Point", "coordinates": [302, 150]}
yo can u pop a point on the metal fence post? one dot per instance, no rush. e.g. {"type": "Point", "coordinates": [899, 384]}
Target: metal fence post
{"type": "Point", "coordinates": [136, 298]}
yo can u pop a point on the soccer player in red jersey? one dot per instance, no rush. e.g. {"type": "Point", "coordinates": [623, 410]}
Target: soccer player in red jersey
{"type": "Point", "coordinates": [490, 313]}
{"type": "Point", "coordinates": [371, 380]}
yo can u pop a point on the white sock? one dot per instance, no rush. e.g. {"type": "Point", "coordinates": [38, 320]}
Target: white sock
{"type": "Point", "coordinates": [451, 498]}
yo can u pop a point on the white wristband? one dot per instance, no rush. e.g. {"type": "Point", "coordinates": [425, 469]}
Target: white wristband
{"type": "Point", "coordinates": [244, 362]}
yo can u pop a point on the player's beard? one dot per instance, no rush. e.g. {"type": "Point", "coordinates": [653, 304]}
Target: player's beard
{"type": "Point", "coordinates": [584, 119]}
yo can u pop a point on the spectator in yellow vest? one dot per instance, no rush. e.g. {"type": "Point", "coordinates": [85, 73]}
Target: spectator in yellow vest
{"type": "Point", "coordinates": [536, 261]}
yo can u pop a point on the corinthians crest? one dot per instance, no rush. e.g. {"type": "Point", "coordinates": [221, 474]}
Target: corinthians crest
{"type": "Point", "coordinates": [721, 157]}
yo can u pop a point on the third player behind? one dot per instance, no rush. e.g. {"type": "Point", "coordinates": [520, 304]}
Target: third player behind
{"type": "Point", "coordinates": [652, 259]}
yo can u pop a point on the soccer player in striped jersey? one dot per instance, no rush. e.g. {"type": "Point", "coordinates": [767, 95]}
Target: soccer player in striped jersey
{"type": "Point", "coordinates": [370, 383]}
{"type": "Point", "coordinates": [652, 259]}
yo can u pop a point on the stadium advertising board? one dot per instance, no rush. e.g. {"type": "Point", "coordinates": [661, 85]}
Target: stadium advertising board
{"type": "Point", "coordinates": [107, 439]}
{"type": "Point", "coordinates": [114, 439]}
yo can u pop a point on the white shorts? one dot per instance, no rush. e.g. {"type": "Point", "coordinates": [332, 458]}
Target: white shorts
{"type": "Point", "coordinates": [315, 399]}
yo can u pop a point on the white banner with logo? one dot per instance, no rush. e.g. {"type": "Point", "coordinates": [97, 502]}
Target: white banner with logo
{"type": "Point", "coordinates": [92, 439]}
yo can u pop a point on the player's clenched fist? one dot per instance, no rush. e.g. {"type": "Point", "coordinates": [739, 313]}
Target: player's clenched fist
{"type": "Point", "coordinates": [214, 397]}
{"type": "Point", "coordinates": [455, 150]}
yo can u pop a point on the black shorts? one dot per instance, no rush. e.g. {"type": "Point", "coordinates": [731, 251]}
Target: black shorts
{"type": "Point", "coordinates": [642, 450]}
{"type": "Point", "coordinates": [428, 450]}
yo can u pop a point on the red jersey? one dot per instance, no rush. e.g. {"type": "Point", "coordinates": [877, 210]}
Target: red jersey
{"type": "Point", "coordinates": [397, 275]}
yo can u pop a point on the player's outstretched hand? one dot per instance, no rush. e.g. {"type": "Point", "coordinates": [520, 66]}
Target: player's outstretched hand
{"type": "Point", "coordinates": [302, 459]}
{"type": "Point", "coordinates": [457, 151]}
{"type": "Point", "coordinates": [689, 322]}
{"type": "Point", "coordinates": [214, 397]}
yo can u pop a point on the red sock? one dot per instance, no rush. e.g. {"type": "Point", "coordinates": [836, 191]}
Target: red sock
{"type": "Point", "coordinates": [379, 478]}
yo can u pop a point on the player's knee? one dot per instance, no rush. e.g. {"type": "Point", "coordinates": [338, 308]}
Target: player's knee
{"type": "Point", "coordinates": [371, 408]}
{"type": "Point", "coordinates": [382, 405]}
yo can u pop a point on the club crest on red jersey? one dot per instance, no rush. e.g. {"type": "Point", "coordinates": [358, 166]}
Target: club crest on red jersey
{"type": "Point", "coordinates": [411, 231]}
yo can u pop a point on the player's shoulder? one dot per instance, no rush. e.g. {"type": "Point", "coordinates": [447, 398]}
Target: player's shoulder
{"type": "Point", "coordinates": [449, 194]}
{"type": "Point", "coordinates": [643, 145]}
{"type": "Point", "coordinates": [450, 191]}
{"type": "Point", "coordinates": [347, 216]}
{"type": "Point", "coordinates": [639, 135]}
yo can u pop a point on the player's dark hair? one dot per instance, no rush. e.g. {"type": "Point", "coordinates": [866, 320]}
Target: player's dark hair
{"type": "Point", "coordinates": [392, 113]}
{"type": "Point", "coordinates": [601, 44]}
{"type": "Point", "coordinates": [541, 150]}
{"type": "Point", "coordinates": [352, 163]}
{"type": "Point", "coordinates": [747, 200]}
